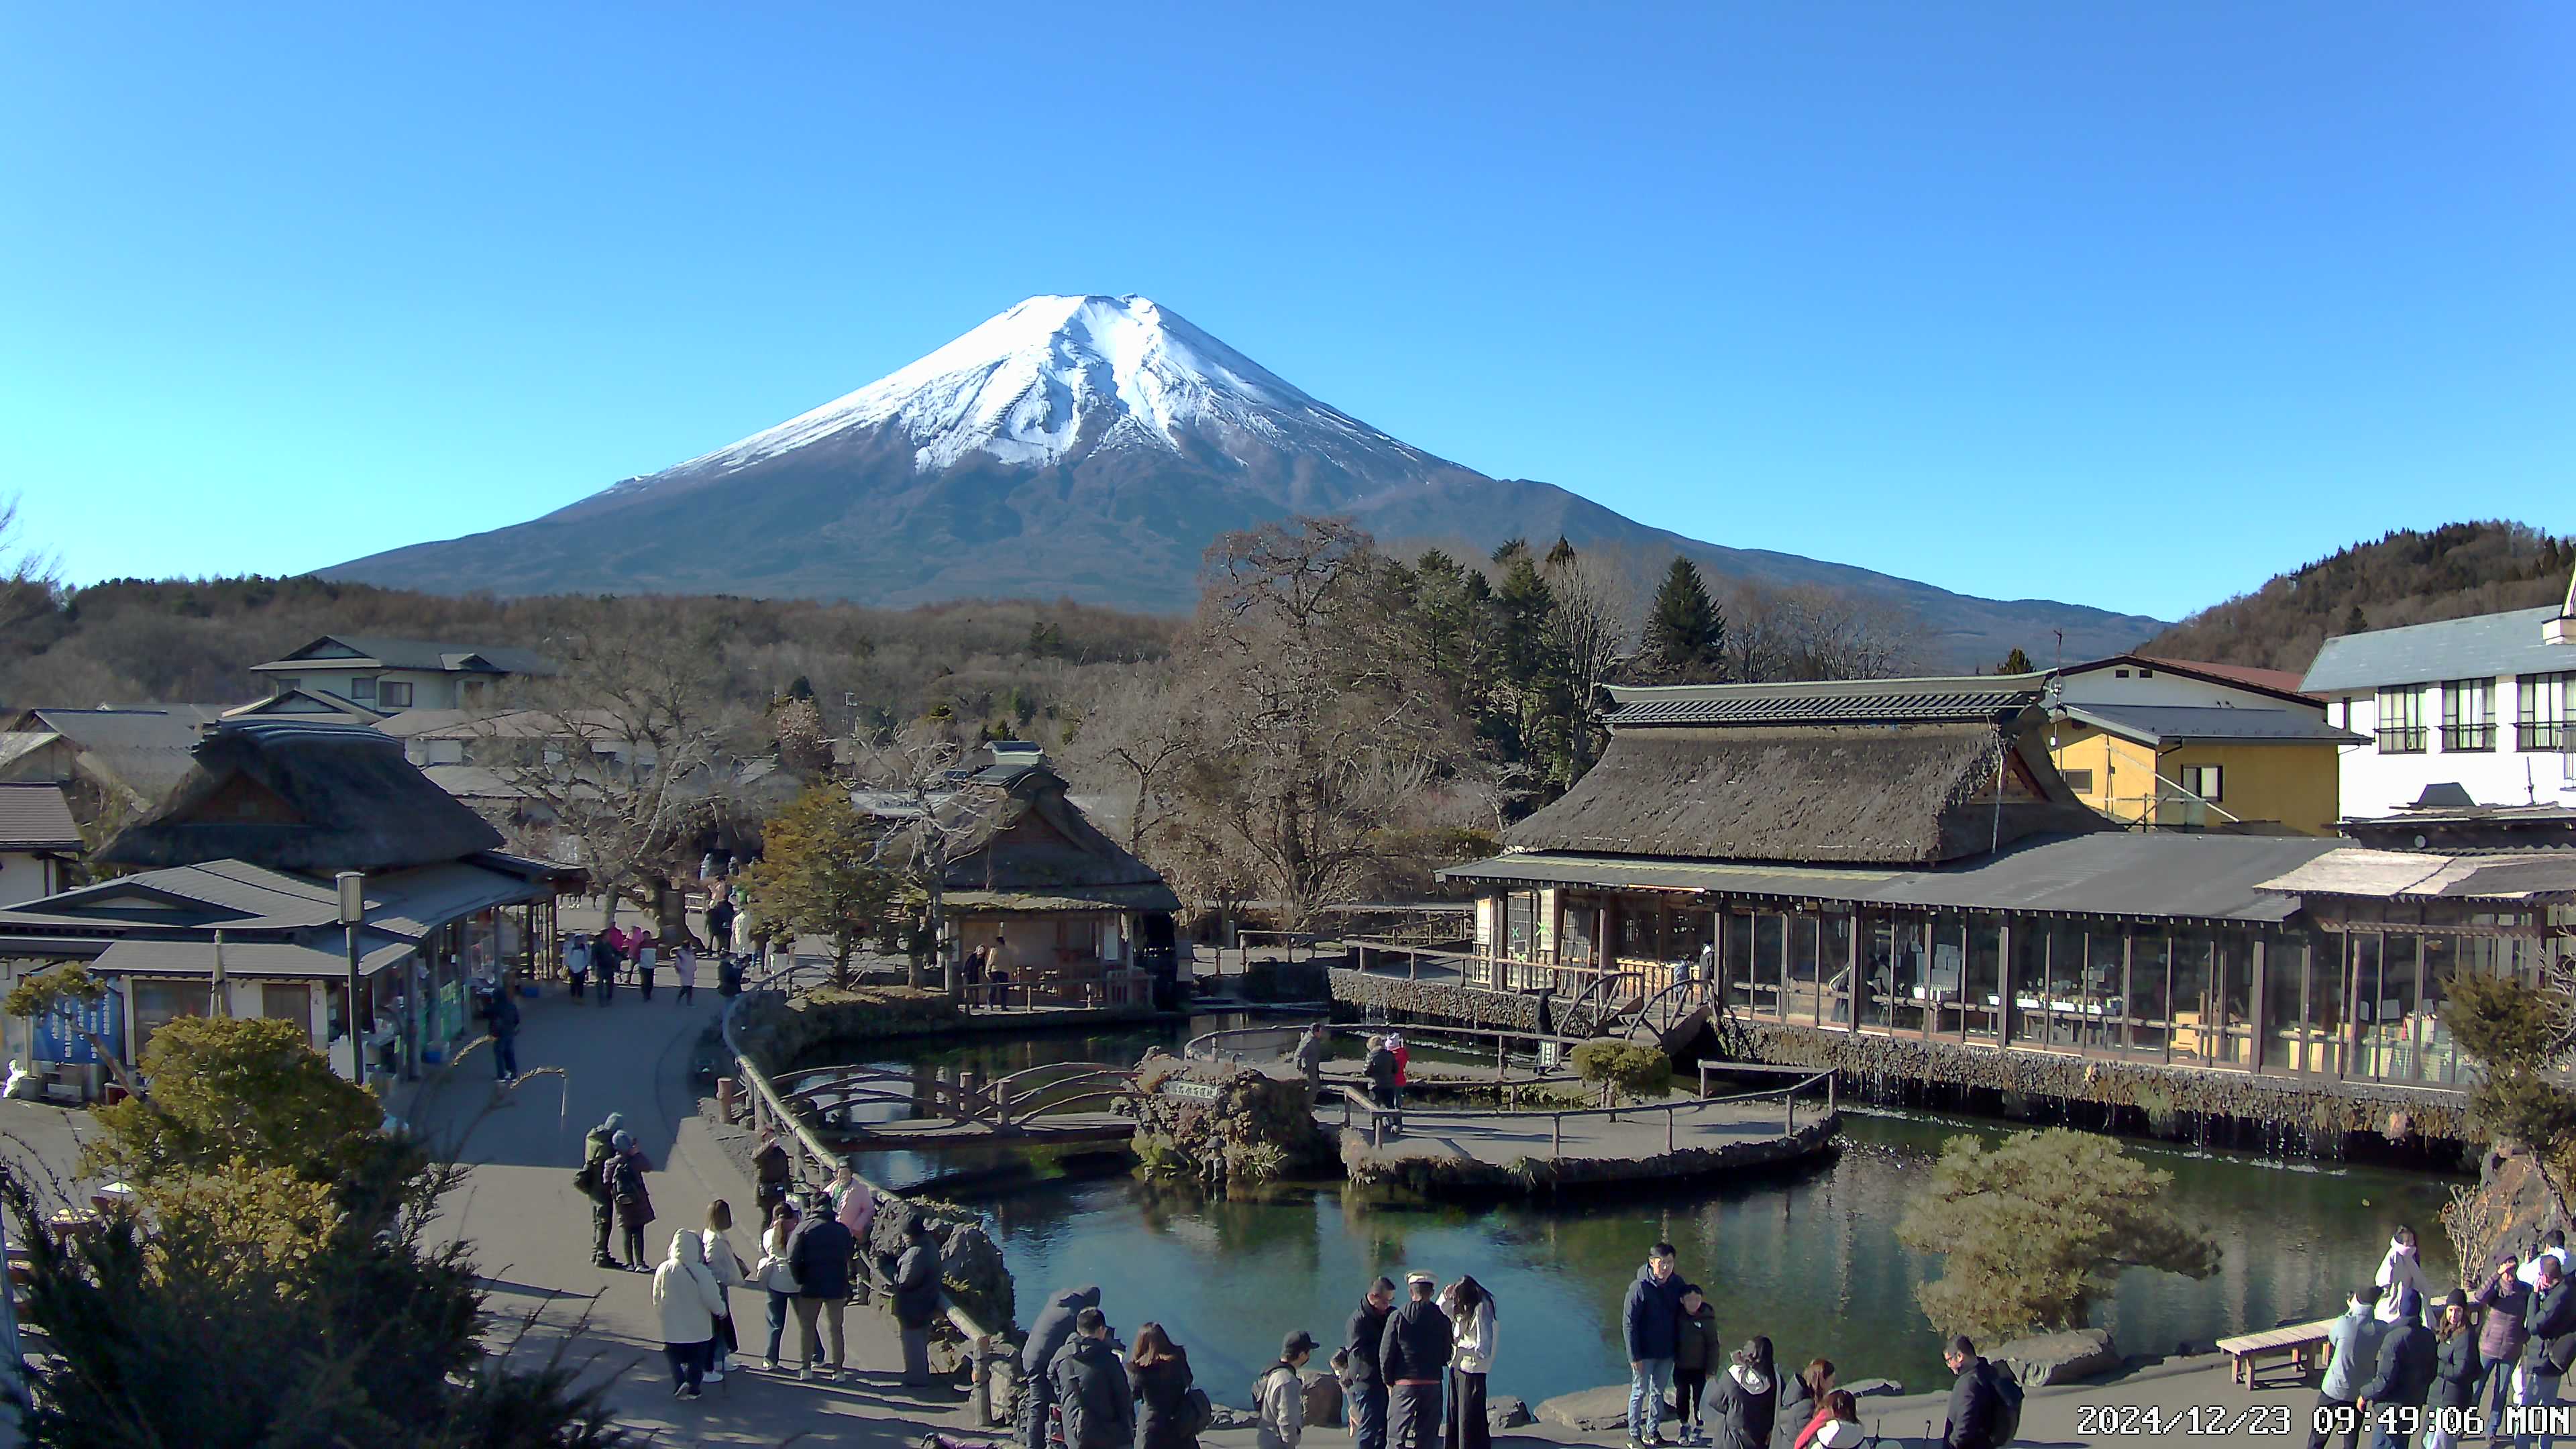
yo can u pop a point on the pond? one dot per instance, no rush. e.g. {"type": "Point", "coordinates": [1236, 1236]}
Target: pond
{"type": "Point", "coordinates": [1808, 1256]}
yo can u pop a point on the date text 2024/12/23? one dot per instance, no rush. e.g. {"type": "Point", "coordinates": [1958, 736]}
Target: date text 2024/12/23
{"type": "Point", "coordinates": [2117, 1421]}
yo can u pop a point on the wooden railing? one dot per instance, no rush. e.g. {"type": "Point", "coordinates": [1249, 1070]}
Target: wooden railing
{"type": "Point", "coordinates": [1377, 1116]}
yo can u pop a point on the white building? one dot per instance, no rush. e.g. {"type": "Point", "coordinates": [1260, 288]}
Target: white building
{"type": "Point", "coordinates": [387, 676]}
{"type": "Point", "coordinates": [2483, 703]}
{"type": "Point", "coordinates": [38, 841]}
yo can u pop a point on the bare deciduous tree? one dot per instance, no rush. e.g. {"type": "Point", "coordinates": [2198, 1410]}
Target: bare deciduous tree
{"type": "Point", "coordinates": [924, 820]}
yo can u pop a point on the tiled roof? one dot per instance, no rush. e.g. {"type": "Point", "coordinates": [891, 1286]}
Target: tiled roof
{"type": "Point", "coordinates": [36, 817]}
{"type": "Point", "coordinates": [2481, 647]}
{"type": "Point", "coordinates": [2175, 724]}
{"type": "Point", "coordinates": [1832, 702]}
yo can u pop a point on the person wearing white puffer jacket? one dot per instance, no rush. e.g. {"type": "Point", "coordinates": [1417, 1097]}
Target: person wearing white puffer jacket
{"type": "Point", "coordinates": [2399, 1270]}
{"type": "Point", "coordinates": [686, 1294]}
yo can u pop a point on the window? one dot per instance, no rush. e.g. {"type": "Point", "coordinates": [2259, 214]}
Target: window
{"type": "Point", "coordinates": [2119, 674]}
{"type": "Point", "coordinates": [2541, 708]}
{"type": "Point", "coordinates": [2201, 780]}
{"type": "Point", "coordinates": [2468, 715]}
{"type": "Point", "coordinates": [2401, 720]}
{"type": "Point", "coordinates": [362, 688]}
{"type": "Point", "coordinates": [394, 694]}
{"type": "Point", "coordinates": [2146, 674]}
{"type": "Point", "coordinates": [2079, 781]}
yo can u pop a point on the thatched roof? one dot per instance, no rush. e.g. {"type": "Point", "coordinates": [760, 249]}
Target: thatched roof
{"type": "Point", "coordinates": [314, 798]}
{"type": "Point", "coordinates": [1022, 838]}
{"type": "Point", "coordinates": [1912, 794]}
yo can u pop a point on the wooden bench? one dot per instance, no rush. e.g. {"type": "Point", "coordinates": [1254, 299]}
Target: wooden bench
{"type": "Point", "coordinates": [2247, 1351]}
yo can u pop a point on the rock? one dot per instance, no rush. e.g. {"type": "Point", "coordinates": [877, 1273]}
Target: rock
{"type": "Point", "coordinates": [2059, 1358]}
{"type": "Point", "coordinates": [1509, 1414]}
{"type": "Point", "coordinates": [1589, 1411]}
{"type": "Point", "coordinates": [1868, 1388]}
{"type": "Point", "coordinates": [1323, 1396]}
{"type": "Point", "coordinates": [1229, 1417]}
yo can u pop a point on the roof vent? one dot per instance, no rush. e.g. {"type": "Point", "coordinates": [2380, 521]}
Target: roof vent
{"type": "Point", "coordinates": [1019, 752]}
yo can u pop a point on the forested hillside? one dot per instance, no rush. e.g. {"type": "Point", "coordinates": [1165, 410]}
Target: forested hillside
{"type": "Point", "coordinates": [2408, 576]}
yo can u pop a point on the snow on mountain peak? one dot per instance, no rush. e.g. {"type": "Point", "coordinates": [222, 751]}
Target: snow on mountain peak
{"type": "Point", "coordinates": [1052, 374]}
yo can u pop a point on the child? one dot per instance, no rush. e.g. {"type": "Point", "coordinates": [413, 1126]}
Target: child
{"type": "Point", "coordinates": [1694, 1347]}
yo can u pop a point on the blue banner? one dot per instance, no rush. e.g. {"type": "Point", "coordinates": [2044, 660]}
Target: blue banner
{"type": "Point", "coordinates": [59, 1032]}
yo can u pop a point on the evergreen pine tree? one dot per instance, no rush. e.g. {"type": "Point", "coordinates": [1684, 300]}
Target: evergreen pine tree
{"type": "Point", "coordinates": [1563, 553]}
{"type": "Point", "coordinates": [1685, 633]}
{"type": "Point", "coordinates": [2014, 663]}
{"type": "Point", "coordinates": [2354, 623]}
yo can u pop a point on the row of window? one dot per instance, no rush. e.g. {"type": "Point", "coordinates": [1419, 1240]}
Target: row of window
{"type": "Point", "coordinates": [2205, 783]}
{"type": "Point", "coordinates": [2542, 708]}
{"type": "Point", "coordinates": [382, 693]}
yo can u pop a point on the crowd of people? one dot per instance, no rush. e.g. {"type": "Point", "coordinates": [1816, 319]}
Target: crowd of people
{"type": "Point", "coordinates": [2442, 1366]}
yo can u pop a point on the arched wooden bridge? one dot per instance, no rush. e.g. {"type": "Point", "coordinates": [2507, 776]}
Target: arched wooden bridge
{"type": "Point", "coordinates": [947, 1107]}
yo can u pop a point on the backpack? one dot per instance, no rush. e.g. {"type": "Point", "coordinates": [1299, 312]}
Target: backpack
{"type": "Point", "coordinates": [591, 1179]}
{"type": "Point", "coordinates": [2007, 1405]}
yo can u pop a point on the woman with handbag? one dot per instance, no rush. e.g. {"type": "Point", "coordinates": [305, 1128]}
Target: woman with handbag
{"type": "Point", "coordinates": [776, 1278]}
{"type": "Point", "coordinates": [1158, 1373]}
{"type": "Point", "coordinates": [726, 1265]}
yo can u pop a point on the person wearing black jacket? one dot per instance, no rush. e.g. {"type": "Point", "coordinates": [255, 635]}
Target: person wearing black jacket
{"type": "Point", "coordinates": [2552, 1345]}
{"type": "Point", "coordinates": [2407, 1358]}
{"type": "Point", "coordinates": [1091, 1384]}
{"type": "Point", "coordinates": [1047, 1337]}
{"type": "Point", "coordinates": [2456, 1368]}
{"type": "Point", "coordinates": [1975, 1402]}
{"type": "Point", "coordinates": [1361, 1380]}
{"type": "Point", "coordinates": [915, 1275]}
{"type": "Point", "coordinates": [1158, 1372]}
{"type": "Point", "coordinates": [1413, 1359]}
{"type": "Point", "coordinates": [819, 1257]}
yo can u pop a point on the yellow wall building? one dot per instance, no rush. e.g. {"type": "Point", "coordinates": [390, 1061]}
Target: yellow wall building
{"type": "Point", "coordinates": [2203, 768]}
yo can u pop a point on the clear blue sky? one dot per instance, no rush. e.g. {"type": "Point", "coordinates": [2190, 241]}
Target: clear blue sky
{"type": "Point", "coordinates": [2128, 305]}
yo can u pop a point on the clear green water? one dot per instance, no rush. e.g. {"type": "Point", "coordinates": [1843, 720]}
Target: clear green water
{"type": "Point", "coordinates": [1807, 1256]}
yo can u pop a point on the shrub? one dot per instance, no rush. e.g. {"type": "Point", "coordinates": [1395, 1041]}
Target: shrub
{"type": "Point", "coordinates": [1624, 1067]}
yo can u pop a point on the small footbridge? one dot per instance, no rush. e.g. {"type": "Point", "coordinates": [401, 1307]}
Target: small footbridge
{"type": "Point", "coordinates": [932, 1107]}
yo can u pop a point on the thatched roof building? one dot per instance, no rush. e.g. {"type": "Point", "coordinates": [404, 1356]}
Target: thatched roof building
{"type": "Point", "coordinates": [1878, 772]}
{"type": "Point", "coordinates": [304, 797]}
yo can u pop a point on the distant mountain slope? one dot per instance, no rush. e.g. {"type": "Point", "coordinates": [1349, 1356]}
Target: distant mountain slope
{"type": "Point", "coordinates": [2405, 577]}
{"type": "Point", "coordinates": [1090, 448]}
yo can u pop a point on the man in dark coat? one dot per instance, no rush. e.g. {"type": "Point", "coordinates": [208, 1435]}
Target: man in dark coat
{"type": "Point", "coordinates": [1976, 1404]}
{"type": "Point", "coordinates": [503, 1016]}
{"type": "Point", "coordinates": [1361, 1378]}
{"type": "Point", "coordinates": [1413, 1359]}
{"type": "Point", "coordinates": [2551, 1346]}
{"type": "Point", "coordinates": [1091, 1384]}
{"type": "Point", "coordinates": [1651, 1325]}
{"type": "Point", "coordinates": [915, 1275]}
{"type": "Point", "coordinates": [1047, 1336]}
{"type": "Point", "coordinates": [1381, 1071]}
{"type": "Point", "coordinates": [597, 1149]}
{"type": "Point", "coordinates": [2405, 1373]}
{"type": "Point", "coordinates": [603, 966]}
{"type": "Point", "coordinates": [819, 1255]}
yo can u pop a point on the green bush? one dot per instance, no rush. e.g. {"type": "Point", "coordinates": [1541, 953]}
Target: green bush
{"type": "Point", "coordinates": [1632, 1068]}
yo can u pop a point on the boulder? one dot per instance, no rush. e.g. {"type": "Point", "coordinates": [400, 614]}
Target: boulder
{"type": "Point", "coordinates": [1323, 1396]}
{"type": "Point", "coordinates": [1509, 1414]}
{"type": "Point", "coordinates": [1868, 1388]}
{"type": "Point", "coordinates": [1229, 1417]}
{"type": "Point", "coordinates": [1588, 1411]}
{"type": "Point", "coordinates": [2059, 1358]}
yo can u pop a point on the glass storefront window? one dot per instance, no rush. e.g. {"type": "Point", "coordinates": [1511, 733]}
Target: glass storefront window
{"type": "Point", "coordinates": [2235, 972]}
{"type": "Point", "coordinates": [1767, 946]}
{"type": "Point", "coordinates": [2284, 983]}
{"type": "Point", "coordinates": [1912, 957]}
{"type": "Point", "coordinates": [1835, 964]}
{"type": "Point", "coordinates": [2436, 1061]}
{"type": "Point", "coordinates": [2368, 1003]}
{"type": "Point", "coordinates": [2029, 1004]}
{"type": "Point", "coordinates": [2150, 1018]}
{"type": "Point", "coordinates": [2195, 1025]}
{"type": "Point", "coordinates": [1739, 963]}
{"type": "Point", "coordinates": [1982, 996]}
{"type": "Point", "coordinates": [2326, 1021]}
{"type": "Point", "coordinates": [1801, 993]}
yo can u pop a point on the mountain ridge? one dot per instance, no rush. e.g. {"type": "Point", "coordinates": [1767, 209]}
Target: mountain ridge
{"type": "Point", "coordinates": [1090, 448]}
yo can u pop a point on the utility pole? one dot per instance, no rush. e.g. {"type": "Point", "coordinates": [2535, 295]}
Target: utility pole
{"type": "Point", "coordinates": [353, 912]}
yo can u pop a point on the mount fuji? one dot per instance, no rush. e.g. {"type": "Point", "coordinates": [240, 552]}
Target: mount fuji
{"type": "Point", "coordinates": [1091, 448]}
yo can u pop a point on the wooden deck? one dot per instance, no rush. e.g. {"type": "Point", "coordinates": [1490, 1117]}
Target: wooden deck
{"type": "Point", "coordinates": [919, 1134]}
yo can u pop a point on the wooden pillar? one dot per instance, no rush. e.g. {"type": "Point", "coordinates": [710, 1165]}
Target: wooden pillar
{"type": "Point", "coordinates": [2255, 1022]}
{"type": "Point", "coordinates": [1851, 971]}
{"type": "Point", "coordinates": [2003, 980]}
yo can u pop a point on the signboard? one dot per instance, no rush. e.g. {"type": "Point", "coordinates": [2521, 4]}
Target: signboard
{"type": "Point", "coordinates": [1203, 1091]}
{"type": "Point", "coordinates": [451, 1011]}
{"type": "Point", "coordinates": [58, 1033]}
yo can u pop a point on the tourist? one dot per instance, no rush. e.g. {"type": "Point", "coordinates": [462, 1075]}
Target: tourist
{"type": "Point", "coordinates": [769, 1169]}
{"type": "Point", "coordinates": [2552, 1245]}
{"type": "Point", "coordinates": [2352, 1351]}
{"type": "Point", "coordinates": [626, 1188]}
{"type": "Point", "coordinates": [819, 1256]}
{"type": "Point", "coordinates": [720, 917]}
{"type": "Point", "coordinates": [777, 1277]}
{"type": "Point", "coordinates": [1403, 1070]}
{"type": "Point", "coordinates": [603, 964]}
{"type": "Point", "coordinates": [2550, 1323]}
{"type": "Point", "coordinates": [2400, 1269]}
{"type": "Point", "coordinates": [1977, 1410]}
{"type": "Point", "coordinates": [1310, 1058]}
{"type": "Point", "coordinates": [1158, 1375]}
{"type": "Point", "coordinates": [2455, 1374]}
{"type": "Point", "coordinates": [1413, 1358]}
{"type": "Point", "coordinates": [1279, 1395]}
{"type": "Point", "coordinates": [1362, 1384]}
{"type": "Point", "coordinates": [687, 1295]}
{"type": "Point", "coordinates": [576, 960]}
{"type": "Point", "coordinates": [684, 965]}
{"type": "Point", "coordinates": [1650, 1324]}
{"type": "Point", "coordinates": [2404, 1374]}
{"type": "Point", "coordinates": [914, 1273]}
{"type": "Point", "coordinates": [853, 1202]}
{"type": "Point", "coordinates": [726, 1265]}
{"type": "Point", "coordinates": [502, 1016]}
{"type": "Point", "coordinates": [1380, 1071]}
{"type": "Point", "coordinates": [1471, 1319]}
{"type": "Point", "coordinates": [1091, 1389]}
{"type": "Point", "coordinates": [1836, 1425]}
{"type": "Point", "coordinates": [2504, 1298]}
{"type": "Point", "coordinates": [1047, 1335]}
{"type": "Point", "coordinates": [597, 1149]}
{"type": "Point", "coordinates": [647, 957]}
{"type": "Point", "coordinates": [1746, 1399]}
{"type": "Point", "coordinates": [1801, 1400]}
{"type": "Point", "coordinates": [1694, 1353]}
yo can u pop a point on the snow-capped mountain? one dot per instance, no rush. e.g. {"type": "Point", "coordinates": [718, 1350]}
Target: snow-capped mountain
{"type": "Point", "coordinates": [1087, 448]}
